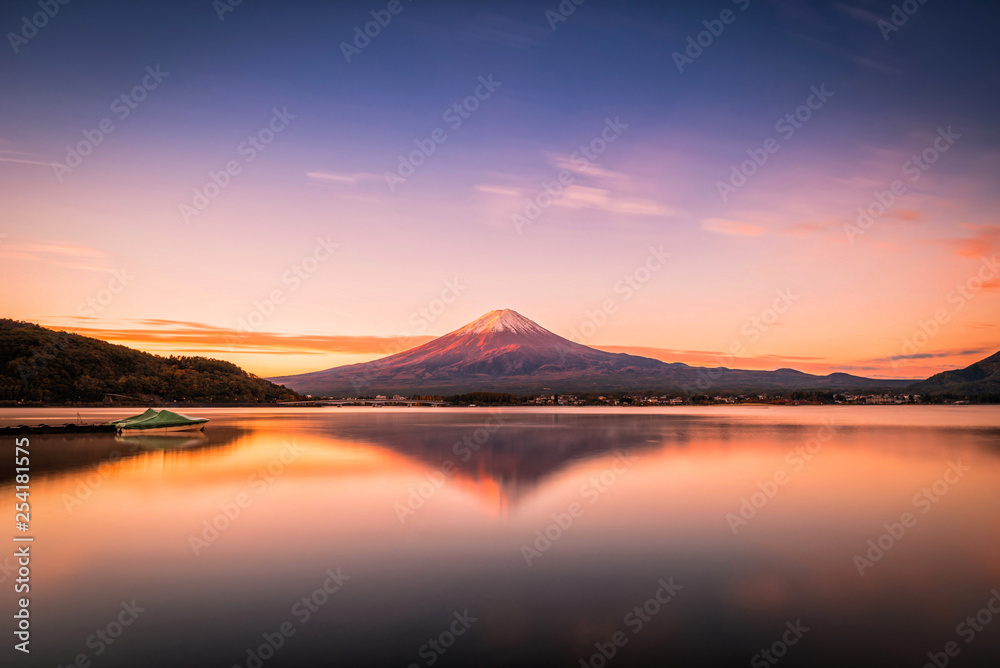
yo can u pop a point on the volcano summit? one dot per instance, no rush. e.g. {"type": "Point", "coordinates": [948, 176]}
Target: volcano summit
{"type": "Point", "coordinates": [504, 351]}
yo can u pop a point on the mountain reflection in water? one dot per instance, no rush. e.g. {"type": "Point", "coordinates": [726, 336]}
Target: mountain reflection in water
{"type": "Point", "coordinates": [219, 536]}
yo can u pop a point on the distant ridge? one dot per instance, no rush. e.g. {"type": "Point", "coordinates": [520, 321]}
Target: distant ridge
{"type": "Point", "coordinates": [978, 380]}
{"type": "Point", "coordinates": [505, 351]}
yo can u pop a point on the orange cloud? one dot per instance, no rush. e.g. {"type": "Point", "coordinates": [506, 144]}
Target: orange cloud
{"type": "Point", "coordinates": [202, 339]}
{"type": "Point", "coordinates": [907, 214]}
{"type": "Point", "coordinates": [799, 229]}
{"type": "Point", "coordinates": [985, 242]}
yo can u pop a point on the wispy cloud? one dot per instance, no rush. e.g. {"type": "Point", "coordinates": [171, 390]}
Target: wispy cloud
{"type": "Point", "coordinates": [341, 177]}
{"type": "Point", "coordinates": [718, 358]}
{"type": "Point", "coordinates": [592, 187]}
{"type": "Point", "coordinates": [26, 162]}
{"type": "Point", "coordinates": [585, 197]}
{"type": "Point", "coordinates": [505, 31]}
{"type": "Point", "coordinates": [584, 167]}
{"type": "Point", "coordinates": [857, 13]}
{"type": "Point", "coordinates": [806, 228]}
{"type": "Point", "coordinates": [906, 214]}
{"type": "Point", "coordinates": [76, 257]}
{"type": "Point", "coordinates": [498, 190]}
{"type": "Point", "coordinates": [935, 355]}
{"type": "Point", "coordinates": [730, 227]}
{"type": "Point", "coordinates": [23, 157]}
{"type": "Point", "coordinates": [484, 28]}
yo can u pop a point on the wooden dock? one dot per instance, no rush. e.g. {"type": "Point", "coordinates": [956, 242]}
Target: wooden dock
{"type": "Point", "coordinates": [67, 428]}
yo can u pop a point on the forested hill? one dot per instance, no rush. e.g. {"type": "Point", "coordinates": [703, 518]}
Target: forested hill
{"type": "Point", "coordinates": [977, 381]}
{"type": "Point", "coordinates": [43, 365]}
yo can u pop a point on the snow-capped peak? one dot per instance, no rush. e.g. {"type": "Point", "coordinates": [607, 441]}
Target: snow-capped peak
{"type": "Point", "coordinates": [504, 320]}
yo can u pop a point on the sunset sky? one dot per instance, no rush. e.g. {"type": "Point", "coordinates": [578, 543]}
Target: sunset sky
{"type": "Point", "coordinates": [326, 261]}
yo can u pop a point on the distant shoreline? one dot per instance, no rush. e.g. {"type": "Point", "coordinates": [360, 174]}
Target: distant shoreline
{"type": "Point", "coordinates": [178, 405]}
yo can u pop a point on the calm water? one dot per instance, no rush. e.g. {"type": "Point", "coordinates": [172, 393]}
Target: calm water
{"type": "Point", "coordinates": [690, 537]}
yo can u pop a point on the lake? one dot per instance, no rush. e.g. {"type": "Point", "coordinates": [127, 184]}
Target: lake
{"type": "Point", "coordinates": [689, 536]}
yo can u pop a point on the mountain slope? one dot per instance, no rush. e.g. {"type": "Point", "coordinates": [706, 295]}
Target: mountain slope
{"type": "Point", "coordinates": [39, 364]}
{"type": "Point", "coordinates": [504, 351]}
{"type": "Point", "coordinates": [976, 380]}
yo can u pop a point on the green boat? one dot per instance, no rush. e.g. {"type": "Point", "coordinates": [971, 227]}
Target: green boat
{"type": "Point", "coordinates": [154, 420]}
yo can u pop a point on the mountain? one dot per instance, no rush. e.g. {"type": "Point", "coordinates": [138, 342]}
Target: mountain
{"type": "Point", "coordinates": [43, 365]}
{"type": "Point", "coordinates": [504, 351]}
{"type": "Point", "coordinates": [978, 380]}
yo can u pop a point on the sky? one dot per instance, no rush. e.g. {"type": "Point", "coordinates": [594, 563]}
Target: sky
{"type": "Point", "coordinates": [750, 183]}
